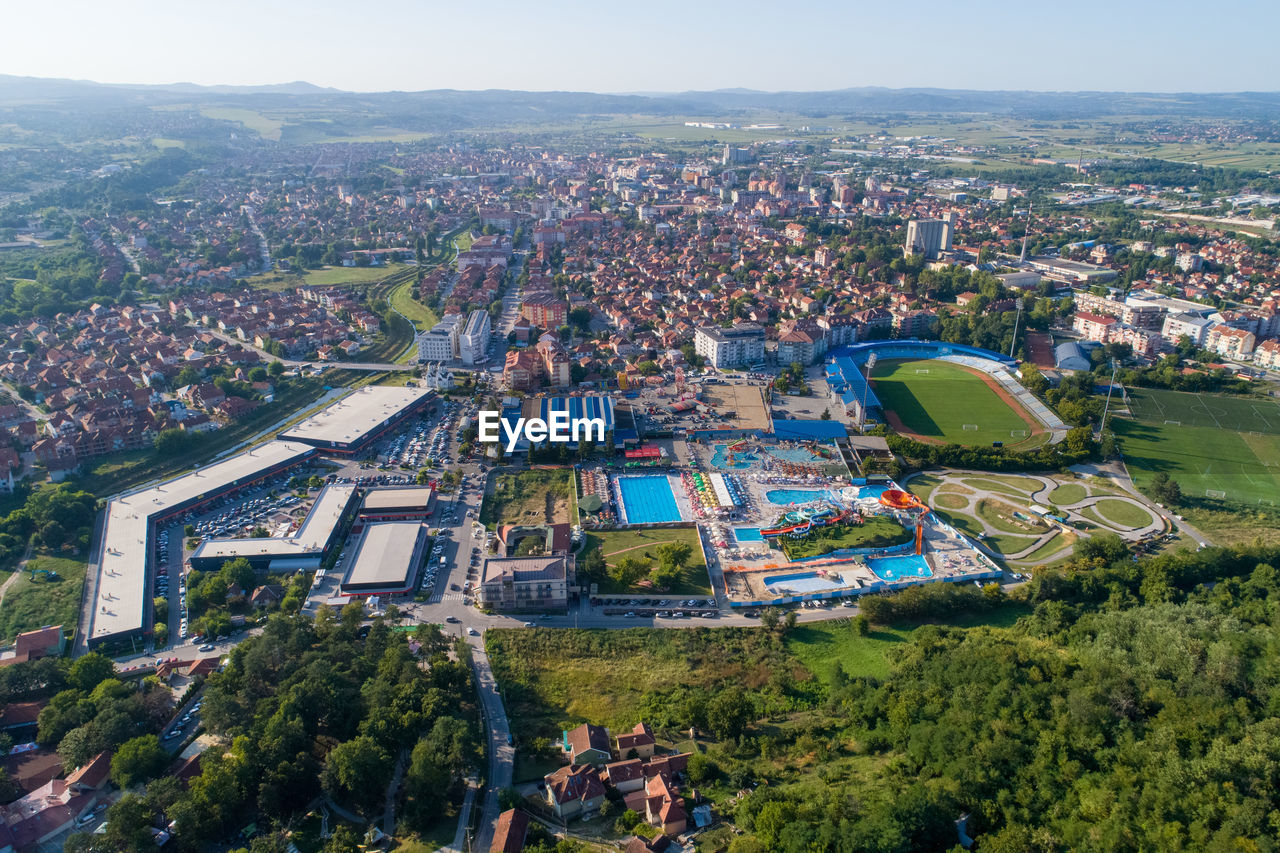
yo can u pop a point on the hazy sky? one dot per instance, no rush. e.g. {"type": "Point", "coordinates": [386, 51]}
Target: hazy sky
{"type": "Point", "coordinates": [656, 45]}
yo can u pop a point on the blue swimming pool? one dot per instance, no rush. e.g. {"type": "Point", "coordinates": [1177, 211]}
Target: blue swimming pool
{"type": "Point", "coordinates": [900, 568]}
{"type": "Point", "coordinates": [747, 534]}
{"type": "Point", "coordinates": [720, 458]}
{"type": "Point", "coordinates": [872, 491]}
{"type": "Point", "coordinates": [794, 454]}
{"type": "Point", "coordinates": [648, 499]}
{"type": "Point", "coordinates": [783, 497]}
{"type": "Point", "coordinates": [802, 582]}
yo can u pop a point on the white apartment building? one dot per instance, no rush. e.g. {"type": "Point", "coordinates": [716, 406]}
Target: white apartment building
{"type": "Point", "coordinates": [473, 340]}
{"type": "Point", "coordinates": [739, 346]}
{"type": "Point", "coordinates": [440, 343]}
{"type": "Point", "coordinates": [1177, 325]}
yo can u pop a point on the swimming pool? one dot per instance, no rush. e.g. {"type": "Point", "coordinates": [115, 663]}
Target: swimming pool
{"type": "Point", "coordinates": [803, 582]}
{"type": "Point", "coordinates": [794, 454]}
{"type": "Point", "coordinates": [900, 568]}
{"type": "Point", "coordinates": [741, 459]}
{"type": "Point", "coordinates": [747, 534]}
{"type": "Point", "coordinates": [784, 497]}
{"type": "Point", "coordinates": [872, 491]}
{"type": "Point", "coordinates": [648, 499]}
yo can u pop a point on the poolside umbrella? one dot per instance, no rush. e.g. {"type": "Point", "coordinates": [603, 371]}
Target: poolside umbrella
{"type": "Point", "coordinates": [591, 503]}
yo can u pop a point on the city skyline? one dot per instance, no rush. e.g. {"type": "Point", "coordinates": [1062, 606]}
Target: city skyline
{"type": "Point", "coordinates": [398, 45]}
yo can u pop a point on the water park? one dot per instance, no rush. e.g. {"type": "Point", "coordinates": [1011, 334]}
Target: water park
{"type": "Point", "coordinates": [850, 538]}
{"type": "Point", "coordinates": [778, 525]}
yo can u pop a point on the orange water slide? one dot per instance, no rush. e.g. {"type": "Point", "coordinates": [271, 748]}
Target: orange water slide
{"type": "Point", "coordinates": [898, 499]}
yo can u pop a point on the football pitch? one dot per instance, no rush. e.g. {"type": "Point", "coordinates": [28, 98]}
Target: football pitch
{"type": "Point", "coordinates": [1180, 408]}
{"type": "Point", "coordinates": [944, 401]}
{"type": "Point", "coordinates": [1214, 446]}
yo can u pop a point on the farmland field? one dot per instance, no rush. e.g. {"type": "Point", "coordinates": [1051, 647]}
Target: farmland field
{"type": "Point", "coordinates": [937, 399]}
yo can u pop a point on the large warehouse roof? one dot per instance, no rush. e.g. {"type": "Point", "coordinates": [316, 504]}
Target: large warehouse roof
{"type": "Point", "coordinates": [122, 596]}
{"type": "Point", "coordinates": [355, 416]}
{"type": "Point", "coordinates": [308, 540]}
{"type": "Point", "coordinates": [385, 558]}
{"type": "Point", "coordinates": [402, 498]}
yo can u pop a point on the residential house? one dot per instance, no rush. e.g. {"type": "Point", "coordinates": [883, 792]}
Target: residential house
{"type": "Point", "coordinates": [510, 831]}
{"type": "Point", "coordinates": [640, 739]}
{"type": "Point", "coordinates": [574, 790]}
{"type": "Point", "coordinates": [588, 744]}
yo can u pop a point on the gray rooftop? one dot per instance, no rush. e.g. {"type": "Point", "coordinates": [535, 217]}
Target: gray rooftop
{"type": "Point", "coordinates": [122, 572]}
{"type": "Point", "coordinates": [356, 415]}
{"type": "Point", "coordinates": [385, 556]}
{"type": "Point", "coordinates": [310, 538]}
{"type": "Point", "coordinates": [407, 497]}
{"type": "Point", "coordinates": [524, 569]}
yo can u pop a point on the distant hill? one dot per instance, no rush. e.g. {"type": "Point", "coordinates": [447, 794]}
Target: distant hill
{"type": "Point", "coordinates": [44, 110]}
{"type": "Point", "coordinates": [719, 101]}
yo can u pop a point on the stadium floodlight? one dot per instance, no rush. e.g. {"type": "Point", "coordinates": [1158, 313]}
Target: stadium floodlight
{"type": "Point", "coordinates": [866, 387]}
{"type": "Point", "coordinates": [1013, 343]}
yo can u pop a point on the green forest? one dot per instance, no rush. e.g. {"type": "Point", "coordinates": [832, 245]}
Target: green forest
{"type": "Point", "coordinates": [311, 712]}
{"type": "Point", "coordinates": [1112, 705]}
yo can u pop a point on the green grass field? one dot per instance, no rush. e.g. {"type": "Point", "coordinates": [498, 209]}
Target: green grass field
{"type": "Point", "coordinates": [402, 300]}
{"type": "Point", "coordinates": [1214, 446]}
{"type": "Point", "coordinates": [937, 399]}
{"type": "Point", "coordinates": [1207, 462]}
{"type": "Point", "coordinates": [1220, 411]}
{"type": "Point", "coordinates": [643, 544]}
{"type": "Point", "coordinates": [32, 604]}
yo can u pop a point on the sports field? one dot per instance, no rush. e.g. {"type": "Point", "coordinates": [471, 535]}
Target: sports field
{"type": "Point", "coordinates": [946, 402]}
{"type": "Point", "coordinates": [1214, 446]}
{"type": "Point", "coordinates": [1180, 408]}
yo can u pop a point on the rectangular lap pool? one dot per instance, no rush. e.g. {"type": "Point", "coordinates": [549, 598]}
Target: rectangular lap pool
{"type": "Point", "coordinates": [900, 568]}
{"type": "Point", "coordinates": [747, 534]}
{"type": "Point", "coordinates": [648, 499]}
{"type": "Point", "coordinates": [803, 582]}
{"type": "Point", "coordinates": [785, 497]}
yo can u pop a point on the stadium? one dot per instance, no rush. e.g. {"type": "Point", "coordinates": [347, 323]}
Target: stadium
{"type": "Point", "coordinates": [938, 392]}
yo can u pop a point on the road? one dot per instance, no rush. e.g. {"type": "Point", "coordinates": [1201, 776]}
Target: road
{"type": "Point", "coordinates": [1115, 471]}
{"type": "Point", "coordinates": [502, 755]}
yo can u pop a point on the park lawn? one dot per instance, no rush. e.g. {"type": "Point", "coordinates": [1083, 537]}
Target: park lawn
{"type": "Point", "coordinates": [1207, 462]}
{"type": "Point", "coordinates": [820, 646]}
{"type": "Point", "coordinates": [1000, 516]}
{"type": "Point", "coordinates": [539, 496]}
{"type": "Point", "coordinates": [642, 543]}
{"type": "Point", "coordinates": [938, 404]}
{"type": "Point", "coordinates": [350, 275]}
{"type": "Point", "coordinates": [1019, 487]}
{"type": "Point", "coordinates": [422, 317]}
{"type": "Point", "coordinates": [1004, 544]}
{"type": "Point", "coordinates": [1122, 513]}
{"type": "Point", "coordinates": [946, 500]}
{"type": "Point", "coordinates": [1048, 549]}
{"type": "Point", "coordinates": [1068, 493]}
{"type": "Point", "coordinates": [879, 531]}
{"type": "Point", "coordinates": [32, 604]}
{"type": "Point", "coordinates": [1026, 485]}
{"type": "Point", "coordinates": [923, 486]}
{"type": "Point", "coordinates": [259, 123]}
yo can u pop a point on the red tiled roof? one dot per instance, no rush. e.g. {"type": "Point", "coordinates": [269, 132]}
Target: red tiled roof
{"type": "Point", "coordinates": [508, 836]}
